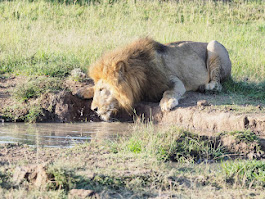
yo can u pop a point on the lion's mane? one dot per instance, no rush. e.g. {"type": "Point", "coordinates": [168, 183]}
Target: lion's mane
{"type": "Point", "coordinates": [134, 72]}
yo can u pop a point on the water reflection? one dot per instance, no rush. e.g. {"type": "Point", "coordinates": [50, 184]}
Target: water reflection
{"type": "Point", "coordinates": [59, 134]}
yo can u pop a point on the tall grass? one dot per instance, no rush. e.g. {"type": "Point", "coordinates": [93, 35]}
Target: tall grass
{"type": "Point", "coordinates": [49, 38]}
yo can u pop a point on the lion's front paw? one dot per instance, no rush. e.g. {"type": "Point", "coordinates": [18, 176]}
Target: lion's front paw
{"type": "Point", "coordinates": [85, 93]}
{"type": "Point", "coordinates": [166, 104]}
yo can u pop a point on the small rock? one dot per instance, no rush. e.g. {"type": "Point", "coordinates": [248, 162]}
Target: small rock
{"type": "Point", "coordinates": [203, 103]}
{"type": "Point", "coordinates": [251, 155]}
{"type": "Point", "coordinates": [77, 75]}
{"type": "Point", "coordinates": [259, 107]}
{"type": "Point", "coordinates": [245, 79]}
{"type": "Point", "coordinates": [34, 174]}
{"type": "Point", "coordinates": [80, 193]}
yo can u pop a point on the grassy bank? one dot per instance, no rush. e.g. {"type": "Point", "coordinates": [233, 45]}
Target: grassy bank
{"type": "Point", "coordinates": [148, 163]}
{"type": "Point", "coordinates": [47, 38]}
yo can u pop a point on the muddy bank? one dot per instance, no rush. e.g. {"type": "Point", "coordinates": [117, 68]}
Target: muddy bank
{"type": "Point", "coordinates": [108, 173]}
{"type": "Point", "coordinates": [196, 111]}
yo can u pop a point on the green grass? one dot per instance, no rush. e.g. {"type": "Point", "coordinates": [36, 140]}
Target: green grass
{"type": "Point", "coordinates": [27, 98]}
{"type": "Point", "coordinates": [245, 136]}
{"type": "Point", "coordinates": [184, 147]}
{"type": "Point", "coordinates": [49, 38]}
{"type": "Point", "coordinates": [34, 87]}
{"type": "Point", "coordinates": [61, 178]}
{"type": "Point", "coordinates": [245, 173]}
{"type": "Point", "coordinates": [254, 91]}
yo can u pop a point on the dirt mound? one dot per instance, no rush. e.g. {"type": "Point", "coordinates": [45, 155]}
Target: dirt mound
{"type": "Point", "coordinates": [65, 107]}
{"type": "Point", "coordinates": [80, 193]}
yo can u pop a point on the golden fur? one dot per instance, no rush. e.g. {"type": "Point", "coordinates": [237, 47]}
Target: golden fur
{"type": "Point", "coordinates": [142, 77]}
{"type": "Point", "coordinates": [148, 70]}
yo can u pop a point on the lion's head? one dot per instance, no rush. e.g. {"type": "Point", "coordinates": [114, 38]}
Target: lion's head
{"type": "Point", "coordinates": [121, 78]}
{"type": "Point", "coordinates": [113, 90]}
{"type": "Point", "coordinates": [104, 101]}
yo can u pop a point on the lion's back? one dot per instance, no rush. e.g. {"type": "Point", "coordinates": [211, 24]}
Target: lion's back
{"type": "Point", "coordinates": [187, 61]}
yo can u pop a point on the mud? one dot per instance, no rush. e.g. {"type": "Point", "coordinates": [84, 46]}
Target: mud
{"type": "Point", "coordinates": [196, 111]}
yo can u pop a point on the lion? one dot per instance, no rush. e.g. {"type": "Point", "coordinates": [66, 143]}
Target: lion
{"type": "Point", "coordinates": [150, 71]}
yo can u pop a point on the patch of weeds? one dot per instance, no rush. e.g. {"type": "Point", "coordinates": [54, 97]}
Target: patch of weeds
{"type": "Point", "coordinates": [5, 179]}
{"type": "Point", "coordinates": [15, 112]}
{"type": "Point", "coordinates": [251, 90]}
{"type": "Point", "coordinates": [77, 75]}
{"type": "Point", "coordinates": [33, 88]}
{"type": "Point", "coordinates": [261, 28]}
{"type": "Point", "coordinates": [194, 148]}
{"type": "Point", "coordinates": [4, 68]}
{"type": "Point", "coordinates": [134, 145]}
{"type": "Point", "coordinates": [135, 181]}
{"type": "Point", "coordinates": [171, 144]}
{"type": "Point", "coordinates": [61, 179]}
{"type": "Point", "coordinates": [245, 173]}
{"type": "Point", "coordinates": [34, 112]}
{"type": "Point", "coordinates": [110, 181]}
{"type": "Point", "coordinates": [28, 112]}
{"type": "Point", "coordinates": [245, 136]}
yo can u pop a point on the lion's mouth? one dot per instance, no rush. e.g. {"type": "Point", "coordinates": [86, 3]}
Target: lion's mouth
{"type": "Point", "coordinates": [105, 116]}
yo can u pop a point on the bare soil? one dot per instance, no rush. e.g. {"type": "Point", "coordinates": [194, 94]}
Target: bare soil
{"type": "Point", "coordinates": [206, 113]}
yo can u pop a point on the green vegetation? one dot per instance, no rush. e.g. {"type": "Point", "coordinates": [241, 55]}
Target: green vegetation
{"type": "Point", "coordinates": [48, 38]}
{"type": "Point", "coordinates": [254, 91]}
{"type": "Point", "coordinates": [23, 112]}
{"type": "Point", "coordinates": [246, 136]}
{"type": "Point", "coordinates": [245, 173]}
{"type": "Point", "coordinates": [181, 146]}
{"type": "Point", "coordinates": [34, 87]}
{"type": "Point", "coordinates": [172, 144]}
{"type": "Point", "coordinates": [61, 178]}
{"type": "Point", "coordinates": [51, 38]}
{"type": "Point", "coordinates": [173, 162]}
{"type": "Point", "coordinates": [27, 95]}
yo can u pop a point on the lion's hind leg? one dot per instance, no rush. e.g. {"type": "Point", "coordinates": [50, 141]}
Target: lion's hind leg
{"type": "Point", "coordinates": [218, 65]}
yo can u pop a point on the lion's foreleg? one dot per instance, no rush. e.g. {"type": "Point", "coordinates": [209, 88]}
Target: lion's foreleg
{"type": "Point", "coordinates": [86, 92]}
{"type": "Point", "coordinates": [171, 97]}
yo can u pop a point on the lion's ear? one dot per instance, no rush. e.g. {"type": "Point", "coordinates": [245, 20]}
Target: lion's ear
{"type": "Point", "coordinates": [121, 69]}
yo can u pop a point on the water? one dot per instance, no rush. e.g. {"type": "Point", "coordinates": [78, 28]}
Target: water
{"type": "Point", "coordinates": [59, 134]}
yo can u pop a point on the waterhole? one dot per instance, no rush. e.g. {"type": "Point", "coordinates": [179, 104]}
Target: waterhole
{"type": "Point", "coordinates": [59, 134]}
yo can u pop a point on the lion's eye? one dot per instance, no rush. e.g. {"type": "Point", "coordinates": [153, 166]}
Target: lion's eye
{"type": "Point", "coordinates": [101, 89]}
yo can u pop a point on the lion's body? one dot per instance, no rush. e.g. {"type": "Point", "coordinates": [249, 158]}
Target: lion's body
{"type": "Point", "coordinates": [148, 70]}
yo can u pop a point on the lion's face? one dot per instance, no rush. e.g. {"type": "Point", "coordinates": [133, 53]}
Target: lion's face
{"type": "Point", "coordinates": [104, 103]}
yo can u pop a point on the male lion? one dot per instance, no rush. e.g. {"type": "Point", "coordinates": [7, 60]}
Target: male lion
{"type": "Point", "coordinates": [148, 70]}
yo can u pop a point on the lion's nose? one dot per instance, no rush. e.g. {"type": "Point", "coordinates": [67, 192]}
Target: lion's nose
{"type": "Point", "coordinates": [95, 109]}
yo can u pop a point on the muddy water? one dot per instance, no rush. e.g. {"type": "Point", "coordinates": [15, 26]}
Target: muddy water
{"type": "Point", "coordinates": [59, 134]}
